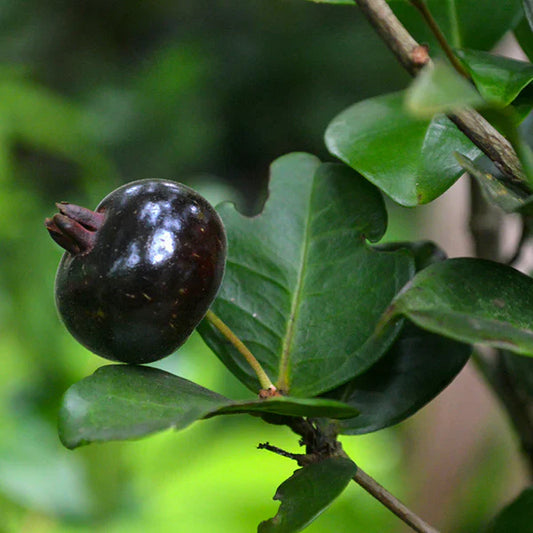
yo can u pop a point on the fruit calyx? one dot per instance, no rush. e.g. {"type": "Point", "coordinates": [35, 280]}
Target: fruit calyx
{"type": "Point", "coordinates": [74, 228]}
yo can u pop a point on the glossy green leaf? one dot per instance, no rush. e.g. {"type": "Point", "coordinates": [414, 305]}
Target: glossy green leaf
{"type": "Point", "coordinates": [516, 517]}
{"type": "Point", "coordinates": [494, 190]}
{"type": "Point", "coordinates": [296, 288]}
{"type": "Point", "coordinates": [120, 402]}
{"type": "Point", "coordinates": [465, 23]}
{"type": "Point", "coordinates": [440, 89]}
{"type": "Point", "coordinates": [307, 493]}
{"type": "Point", "coordinates": [288, 406]}
{"type": "Point", "coordinates": [499, 79]}
{"type": "Point", "coordinates": [470, 300]}
{"type": "Point", "coordinates": [417, 368]}
{"type": "Point", "coordinates": [410, 159]}
{"type": "Point", "coordinates": [425, 253]}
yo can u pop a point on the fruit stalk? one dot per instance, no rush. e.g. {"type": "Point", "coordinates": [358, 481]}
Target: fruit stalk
{"type": "Point", "coordinates": [268, 387]}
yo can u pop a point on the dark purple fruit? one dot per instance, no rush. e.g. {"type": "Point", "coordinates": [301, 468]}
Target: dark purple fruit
{"type": "Point", "coordinates": [140, 271]}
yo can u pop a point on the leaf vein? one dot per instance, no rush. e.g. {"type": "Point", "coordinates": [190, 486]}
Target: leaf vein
{"type": "Point", "coordinates": [250, 314]}
{"type": "Point", "coordinates": [336, 231]}
{"type": "Point", "coordinates": [259, 274]}
{"type": "Point", "coordinates": [283, 378]}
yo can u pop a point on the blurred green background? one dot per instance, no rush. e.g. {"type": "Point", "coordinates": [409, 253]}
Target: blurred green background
{"type": "Point", "coordinates": [94, 94]}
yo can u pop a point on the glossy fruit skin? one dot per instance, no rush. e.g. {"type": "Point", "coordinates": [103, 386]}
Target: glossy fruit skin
{"type": "Point", "coordinates": [155, 267]}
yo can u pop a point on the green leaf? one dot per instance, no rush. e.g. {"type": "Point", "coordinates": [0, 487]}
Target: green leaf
{"type": "Point", "coordinates": [499, 79]}
{"type": "Point", "coordinates": [288, 406]}
{"type": "Point", "coordinates": [121, 402]}
{"type": "Point", "coordinates": [465, 23]}
{"type": "Point", "coordinates": [307, 493]}
{"type": "Point", "coordinates": [470, 300]}
{"type": "Point", "coordinates": [425, 253]}
{"type": "Point", "coordinates": [440, 89]}
{"type": "Point", "coordinates": [517, 516]}
{"type": "Point", "coordinates": [494, 190]}
{"type": "Point", "coordinates": [410, 159]}
{"type": "Point", "coordinates": [296, 288]}
{"type": "Point", "coordinates": [417, 368]}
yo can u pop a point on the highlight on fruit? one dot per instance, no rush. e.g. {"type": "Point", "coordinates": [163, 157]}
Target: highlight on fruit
{"type": "Point", "coordinates": [140, 271]}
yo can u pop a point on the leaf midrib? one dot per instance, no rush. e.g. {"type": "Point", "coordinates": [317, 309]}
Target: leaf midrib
{"type": "Point", "coordinates": [283, 374]}
{"type": "Point", "coordinates": [418, 317]}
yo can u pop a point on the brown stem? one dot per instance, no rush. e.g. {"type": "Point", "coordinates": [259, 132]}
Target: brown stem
{"type": "Point", "coordinates": [392, 32]}
{"type": "Point", "coordinates": [471, 123]}
{"type": "Point", "coordinates": [493, 144]}
{"type": "Point", "coordinates": [279, 451]}
{"type": "Point", "coordinates": [391, 502]}
{"type": "Point", "coordinates": [321, 442]}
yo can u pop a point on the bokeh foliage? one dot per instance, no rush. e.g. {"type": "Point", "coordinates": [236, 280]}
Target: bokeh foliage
{"type": "Point", "coordinates": [209, 92]}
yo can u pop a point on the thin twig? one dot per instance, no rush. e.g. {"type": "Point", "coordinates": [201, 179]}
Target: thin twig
{"type": "Point", "coordinates": [320, 443]}
{"type": "Point", "coordinates": [262, 376]}
{"type": "Point", "coordinates": [437, 32]}
{"type": "Point", "coordinates": [302, 459]}
{"type": "Point", "coordinates": [470, 122]}
{"type": "Point", "coordinates": [391, 502]}
{"type": "Point", "coordinates": [392, 32]}
{"type": "Point", "coordinates": [279, 451]}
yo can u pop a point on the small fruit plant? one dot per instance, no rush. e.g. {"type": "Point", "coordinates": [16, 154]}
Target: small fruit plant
{"type": "Point", "coordinates": [332, 331]}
